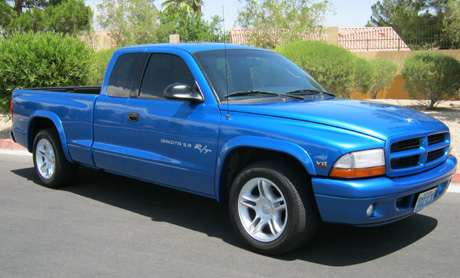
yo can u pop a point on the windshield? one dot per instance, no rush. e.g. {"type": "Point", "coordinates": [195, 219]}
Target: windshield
{"type": "Point", "coordinates": [251, 71]}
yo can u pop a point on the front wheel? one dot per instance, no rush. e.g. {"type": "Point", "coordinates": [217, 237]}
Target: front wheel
{"type": "Point", "coordinates": [50, 164]}
{"type": "Point", "coordinates": [272, 208]}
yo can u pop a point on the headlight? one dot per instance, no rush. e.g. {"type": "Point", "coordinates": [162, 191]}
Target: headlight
{"type": "Point", "coordinates": [360, 164]}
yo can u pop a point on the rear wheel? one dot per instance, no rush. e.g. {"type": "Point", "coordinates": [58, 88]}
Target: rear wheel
{"type": "Point", "coordinates": [272, 208]}
{"type": "Point", "coordinates": [50, 164]}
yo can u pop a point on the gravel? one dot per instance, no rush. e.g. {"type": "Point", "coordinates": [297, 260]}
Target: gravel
{"type": "Point", "coordinates": [447, 112]}
{"type": "Point", "coordinates": [5, 126]}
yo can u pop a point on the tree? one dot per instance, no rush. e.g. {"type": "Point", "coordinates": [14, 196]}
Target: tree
{"type": "Point", "coordinates": [69, 17]}
{"type": "Point", "coordinates": [431, 76]}
{"type": "Point", "coordinates": [333, 67]}
{"type": "Point", "coordinates": [192, 27]}
{"type": "Point", "coordinates": [30, 20]}
{"type": "Point", "coordinates": [30, 4]}
{"type": "Point", "coordinates": [276, 22]}
{"type": "Point", "coordinates": [131, 21]}
{"type": "Point", "coordinates": [190, 6]}
{"type": "Point", "coordinates": [452, 20]}
{"type": "Point", "coordinates": [18, 4]}
{"type": "Point", "coordinates": [418, 22]}
{"type": "Point", "coordinates": [6, 14]}
{"type": "Point", "coordinates": [395, 12]}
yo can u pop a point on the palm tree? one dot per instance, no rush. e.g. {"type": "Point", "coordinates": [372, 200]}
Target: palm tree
{"type": "Point", "coordinates": [191, 6]}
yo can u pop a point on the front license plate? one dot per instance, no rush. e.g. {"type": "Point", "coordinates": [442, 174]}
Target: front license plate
{"type": "Point", "coordinates": [425, 199]}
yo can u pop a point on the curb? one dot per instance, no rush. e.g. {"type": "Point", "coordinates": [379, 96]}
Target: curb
{"type": "Point", "coordinates": [456, 178]}
{"type": "Point", "coordinates": [10, 145]}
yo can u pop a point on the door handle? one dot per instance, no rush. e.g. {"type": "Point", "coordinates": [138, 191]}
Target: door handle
{"type": "Point", "coordinates": [133, 117]}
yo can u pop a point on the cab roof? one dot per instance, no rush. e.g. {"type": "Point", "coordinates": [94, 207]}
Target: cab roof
{"type": "Point", "coordinates": [192, 47]}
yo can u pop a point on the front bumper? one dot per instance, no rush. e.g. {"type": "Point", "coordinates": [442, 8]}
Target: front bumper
{"type": "Point", "coordinates": [346, 201]}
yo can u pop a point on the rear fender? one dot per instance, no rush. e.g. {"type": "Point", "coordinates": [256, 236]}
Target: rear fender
{"type": "Point", "coordinates": [57, 124]}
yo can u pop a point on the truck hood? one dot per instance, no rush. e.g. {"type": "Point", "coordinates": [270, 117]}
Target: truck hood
{"type": "Point", "coordinates": [377, 120]}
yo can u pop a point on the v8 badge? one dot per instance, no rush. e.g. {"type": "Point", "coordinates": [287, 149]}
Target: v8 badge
{"type": "Point", "coordinates": [321, 164]}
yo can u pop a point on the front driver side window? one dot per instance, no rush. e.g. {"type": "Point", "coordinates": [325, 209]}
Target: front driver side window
{"type": "Point", "coordinates": [162, 71]}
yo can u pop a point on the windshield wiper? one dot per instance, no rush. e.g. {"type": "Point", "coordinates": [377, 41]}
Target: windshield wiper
{"type": "Point", "coordinates": [259, 92]}
{"type": "Point", "coordinates": [309, 92]}
{"type": "Point", "coordinates": [251, 92]}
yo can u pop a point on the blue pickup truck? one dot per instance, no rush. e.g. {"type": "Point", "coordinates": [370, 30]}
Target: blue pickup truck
{"type": "Point", "coordinates": [244, 126]}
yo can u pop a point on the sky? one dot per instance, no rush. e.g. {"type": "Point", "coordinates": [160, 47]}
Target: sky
{"type": "Point", "coordinates": [348, 13]}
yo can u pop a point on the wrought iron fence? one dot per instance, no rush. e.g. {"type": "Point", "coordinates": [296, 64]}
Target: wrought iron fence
{"type": "Point", "coordinates": [220, 38]}
{"type": "Point", "coordinates": [373, 38]}
{"type": "Point", "coordinates": [428, 38]}
{"type": "Point", "coordinates": [387, 38]}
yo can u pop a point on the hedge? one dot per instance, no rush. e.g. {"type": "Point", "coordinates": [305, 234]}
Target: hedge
{"type": "Point", "coordinates": [42, 60]}
{"type": "Point", "coordinates": [431, 76]}
{"type": "Point", "coordinates": [333, 67]}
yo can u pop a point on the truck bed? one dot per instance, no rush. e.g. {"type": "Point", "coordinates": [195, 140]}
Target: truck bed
{"type": "Point", "coordinates": [89, 90]}
{"type": "Point", "coordinates": [70, 109]}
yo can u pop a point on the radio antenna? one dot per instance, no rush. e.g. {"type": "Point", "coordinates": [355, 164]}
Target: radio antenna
{"type": "Point", "coordinates": [226, 79]}
{"type": "Point", "coordinates": [223, 21]}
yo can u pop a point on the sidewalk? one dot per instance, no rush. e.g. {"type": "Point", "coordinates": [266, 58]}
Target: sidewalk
{"type": "Point", "coordinates": [8, 144]}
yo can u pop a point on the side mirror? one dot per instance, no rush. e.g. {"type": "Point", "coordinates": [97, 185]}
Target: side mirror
{"type": "Point", "coordinates": [179, 91]}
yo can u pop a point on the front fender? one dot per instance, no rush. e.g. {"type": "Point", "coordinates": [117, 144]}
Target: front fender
{"type": "Point", "coordinates": [59, 128]}
{"type": "Point", "coordinates": [270, 144]}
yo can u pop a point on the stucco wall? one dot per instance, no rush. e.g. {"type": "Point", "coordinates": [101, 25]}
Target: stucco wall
{"type": "Point", "coordinates": [401, 56]}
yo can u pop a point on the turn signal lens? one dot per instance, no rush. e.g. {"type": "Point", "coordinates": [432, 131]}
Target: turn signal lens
{"type": "Point", "coordinates": [358, 173]}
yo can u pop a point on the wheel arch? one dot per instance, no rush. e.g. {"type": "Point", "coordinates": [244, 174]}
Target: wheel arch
{"type": "Point", "coordinates": [239, 152]}
{"type": "Point", "coordinates": [42, 120]}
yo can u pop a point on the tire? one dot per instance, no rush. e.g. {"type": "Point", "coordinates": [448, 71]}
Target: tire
{"type": "Point", "coordinates": [50, 164]}
{"type": "Point", "coordinates": [272, 208]}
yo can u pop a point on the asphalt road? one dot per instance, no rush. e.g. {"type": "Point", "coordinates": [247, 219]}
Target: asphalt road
{"type": "Point", "coordinates": [110, 226]}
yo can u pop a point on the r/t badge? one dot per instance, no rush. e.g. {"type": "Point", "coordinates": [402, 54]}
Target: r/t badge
{"type": "Point", "coordinates": [202, 149]}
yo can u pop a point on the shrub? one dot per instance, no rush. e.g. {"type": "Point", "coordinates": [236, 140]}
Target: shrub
{"type": "Point", "coordinates": [364, 79]}
{"type": "Point", "coordinates": [42, 60]}
{"type": "Point", "coordinates": [100, 61]}
{"type": "Point", "coordinates": [333, 67]}
{"type": "Point", "coordinates": [383, 72]}
{"type": "Point", "coordinates": [431, 76]}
